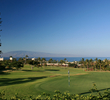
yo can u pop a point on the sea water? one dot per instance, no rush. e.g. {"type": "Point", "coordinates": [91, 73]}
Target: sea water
{"type": "Point", "coordinates": [70, 59]}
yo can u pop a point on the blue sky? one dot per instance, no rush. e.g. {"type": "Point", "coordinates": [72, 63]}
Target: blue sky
{"type": "Point", "coordinates": [78, 27]}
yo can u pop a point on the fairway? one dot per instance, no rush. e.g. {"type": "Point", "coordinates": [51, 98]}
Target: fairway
{"type": "Point", "coordinates": [48, 79]}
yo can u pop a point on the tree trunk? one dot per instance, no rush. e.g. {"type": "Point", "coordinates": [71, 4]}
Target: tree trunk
{"type": "Point", "coordinates": [95, 68]}
{"type": "Point", "coordinates": [100, 67]}
{"type": "Point", "coordinates": [87, 67]}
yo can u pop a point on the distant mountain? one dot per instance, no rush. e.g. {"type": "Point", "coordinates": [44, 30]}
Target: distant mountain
{"type": "Point", "coordinates": [34, 54]}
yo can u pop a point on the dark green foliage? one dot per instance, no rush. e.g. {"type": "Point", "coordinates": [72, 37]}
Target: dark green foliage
{"type": "Point", "coordinates": [96, 64]}
{"type": "Point", "coordinates": [2, 95]}
{"type": "Point", "coordinates": [16, 64]}
{"type": "Point", "coordinates": [54, 61]}
{"type": "Point", "coordinates": [50, 60]}
{"type": "Point", "coordinates": [32, 62]}
{"type": "Point", "coordinates": [73, 65]}
{"type": "Point", "coordinates": [107, 68]}
{"type": "Point", "coordinates": [2, 67]}
{"type": "Point", "coordinates": [61, 61]}
{"type": "Point", "coordinates": [14, 59]}
{"type": "Point", "coordinates": [94, 89]}
{"type": "Point", "coordinates": [7, 64]}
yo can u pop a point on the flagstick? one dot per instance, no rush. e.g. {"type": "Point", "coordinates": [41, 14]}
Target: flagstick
{"type": "Point", "coordinates": [68, 78]}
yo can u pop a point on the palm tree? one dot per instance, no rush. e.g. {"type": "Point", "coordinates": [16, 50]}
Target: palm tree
{"type": "Point", "coordinates": [54, 61]}
{"type": "Point", "coordinates": [43, 59]}
{"type": "Point", "coordinates": [96, 59]}
{"type": "Point", "coordinates": [99, 61]}
{"type": "Point", "coordinates": [20, 59]}
{"type": "Point", "coordinates": [24, 60]}
{"type": "Point", "coordinates": [39, 59]}
{"type": "Point", "coordinates": [106, 62]}
{"type": "Point", "coordinates": [61, 61]}
{"type": "Point", "coordinates": [27, 56]}
{"type": "Point", "coordinates": [11, 56]}
{"type": "Point", "coordinates": [65, 60]}
{"type": "Point", "coordinates": [87, 63]}
{"type": "Point", "coordinates": [82, 61]}
{"type": "Point", "coordinates": [50, 60]}
{"type": "Point", "coordinates": [91, 62]}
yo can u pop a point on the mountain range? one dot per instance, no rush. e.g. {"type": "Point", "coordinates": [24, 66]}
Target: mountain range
{"type": "Point", "coordinates": [34, 54]}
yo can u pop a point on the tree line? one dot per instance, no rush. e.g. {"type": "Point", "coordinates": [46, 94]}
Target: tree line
{"type": "Point", "coordinates": [96, 64]}
{"type": "Point", "coordinates": [89, 64]}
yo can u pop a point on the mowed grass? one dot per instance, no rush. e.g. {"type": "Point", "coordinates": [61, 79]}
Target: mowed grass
{"type": "Point", "coordinates": [28, 82]}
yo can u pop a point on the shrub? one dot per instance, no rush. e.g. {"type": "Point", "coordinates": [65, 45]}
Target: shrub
{"type": "Point", "coordinates": [2, 67]}
{"type": "Point", "coordinates": [35, 63]}
{"type": "Point", "coordinates": [73, 65]}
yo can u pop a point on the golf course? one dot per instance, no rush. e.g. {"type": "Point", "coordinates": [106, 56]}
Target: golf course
{"type": "Point", "coordinates": [27, 81]}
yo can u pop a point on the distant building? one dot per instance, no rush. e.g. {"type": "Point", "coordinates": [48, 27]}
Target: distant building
{"type": "Point", "coordinates": [56, 64]}
{"type": "Point", "coordinates": [33, 58]}
{"type": "Point", "coordinates": [79, 65]}
{"type": "Point", "coordinates": [74, 62]}
{"type": "Point", "coordinates": [64, 64]}
{"type": "Point", "coordinates": [11, 58]}
{"type": "Point", "coordinates": [1, 59]}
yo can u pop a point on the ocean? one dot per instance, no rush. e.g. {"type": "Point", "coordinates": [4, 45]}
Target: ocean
{"type": "Point", "coordinates": [70, 59]}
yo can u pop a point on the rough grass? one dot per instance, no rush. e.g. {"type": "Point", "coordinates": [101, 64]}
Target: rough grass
{"type": "Point", "coordinates": [47, 79]}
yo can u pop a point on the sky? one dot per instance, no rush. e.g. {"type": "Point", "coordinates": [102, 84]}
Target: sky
{"type": "Point", "coordinates": [78, 27]}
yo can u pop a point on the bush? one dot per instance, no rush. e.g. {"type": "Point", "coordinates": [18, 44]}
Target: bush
{"type": "Point", "coordinates": [35, 63]}
{"type": "Point", "coordinates": [2, 67]}
{"type": "Point", "coordinates": [16, 64]}
{"type": "Point", "coordinates": [107, 69]}
{"type": "Point", "coordinates": [73, 65]}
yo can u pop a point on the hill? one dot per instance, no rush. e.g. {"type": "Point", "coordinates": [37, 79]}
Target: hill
{"type": "Point", "coordinates": [34, 54]}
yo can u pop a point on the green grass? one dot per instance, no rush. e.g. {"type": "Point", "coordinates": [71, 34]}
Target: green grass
{"type": "Point", "coordinates": [47, 79]}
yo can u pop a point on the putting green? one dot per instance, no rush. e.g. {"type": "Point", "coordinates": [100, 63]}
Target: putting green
{"type": "Point", "coordinates": [78, 83]}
